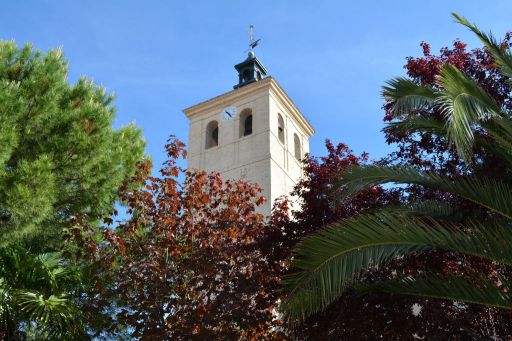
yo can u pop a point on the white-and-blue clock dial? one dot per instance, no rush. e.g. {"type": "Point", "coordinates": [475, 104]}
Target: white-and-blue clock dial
{"type": "Point", "coordinates": [228, 114]}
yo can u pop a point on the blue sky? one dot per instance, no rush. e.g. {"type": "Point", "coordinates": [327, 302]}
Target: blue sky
{"type": "Point", "coordinates": [331, 57]}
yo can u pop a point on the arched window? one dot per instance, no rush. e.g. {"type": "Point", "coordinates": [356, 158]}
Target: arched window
{"type": "Point", "coordinates": [246, 122]}
{"type": "Point", "coordinates": [280, 127]}
{"type": "Point", "coordinates": [212, 134]}
{"type": "Point", "coordinates": [296, 145]}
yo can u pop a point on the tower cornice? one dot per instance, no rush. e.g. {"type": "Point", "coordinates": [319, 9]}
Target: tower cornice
{"type": "Point", "coordinates": [266, 84]}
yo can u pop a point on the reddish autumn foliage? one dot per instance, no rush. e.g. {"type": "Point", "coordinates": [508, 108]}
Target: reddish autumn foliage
{"type": "Point", "coordinates": [318, 196]}
{"type": "Point", "coordinates": [320, 193]}
{"type": "Point", "coordinates": [188, 265]}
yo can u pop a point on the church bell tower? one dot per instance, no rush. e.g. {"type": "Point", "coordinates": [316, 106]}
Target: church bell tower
{"type": "Point", "coordinates": [254, 132]}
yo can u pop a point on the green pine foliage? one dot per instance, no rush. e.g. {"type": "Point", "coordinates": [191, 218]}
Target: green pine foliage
{"type": "Point", "coordinates": [59, 155]}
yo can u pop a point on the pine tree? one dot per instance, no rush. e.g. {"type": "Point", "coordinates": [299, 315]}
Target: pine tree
{"type": "Point", "coordinates": [59, 155]}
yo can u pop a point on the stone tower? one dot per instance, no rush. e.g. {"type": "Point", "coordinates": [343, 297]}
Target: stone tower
{"type": "Point", "coordinates": [253, 132]}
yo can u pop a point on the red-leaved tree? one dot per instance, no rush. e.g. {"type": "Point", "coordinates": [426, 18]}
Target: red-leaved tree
{"type": "Point", "coordinates": [189, 264]}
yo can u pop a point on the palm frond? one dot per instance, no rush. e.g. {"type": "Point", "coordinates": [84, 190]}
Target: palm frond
{"type": "Point", "coordinates": [500, 145]}
{"type": "Point", "coordinates": [417, 123]}
{"type": "Point", "coordinates": [489, 193]}
{"type": "Point", "coordinates": [471, 290]}
{"type": "Point", "coordinates": [54, 312]}
{"type": "Point", "coordinates": [464, 104]}
{"type": "Point", "coordinates": [333, 258]}
{"type": "Point", "coordinates": [36, 289]}
{"type": "Point", "coordinates": [501, 54]}
{"type": "Point", "coordinates": [497, 149]}
{"type": "Point", "coordinates": [6, 305]}
{"type": "Point", "coordinates": [407, 95]}
{"type": "Point", "coordinates": [49, 266]}
{"type": "Point", "coordinates": [501, 131]}
{"type": "Point", "coordinates": [430, 208]}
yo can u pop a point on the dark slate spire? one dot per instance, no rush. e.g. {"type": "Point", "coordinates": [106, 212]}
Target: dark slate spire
{"type": "Point", "coordinates": [250, 70]}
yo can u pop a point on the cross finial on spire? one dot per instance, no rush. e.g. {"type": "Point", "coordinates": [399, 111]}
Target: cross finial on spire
{"type": "Point", "coordinates": [252, 43]}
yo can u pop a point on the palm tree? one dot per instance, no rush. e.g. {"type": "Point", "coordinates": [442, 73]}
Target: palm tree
{"type": "Point", "coordinates": [336, 257]}
{"type": "Point", "coordinates": [35, 301]}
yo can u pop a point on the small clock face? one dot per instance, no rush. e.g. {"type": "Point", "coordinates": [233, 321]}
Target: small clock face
{"type": "Point", "coordinates": [228, 113]}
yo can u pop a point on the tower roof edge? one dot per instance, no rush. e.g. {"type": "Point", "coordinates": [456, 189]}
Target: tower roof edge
{"type": "Point", "coordinates": [230, 96]}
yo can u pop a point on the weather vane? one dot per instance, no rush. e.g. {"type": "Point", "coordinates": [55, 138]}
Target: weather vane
{"type": "Point", "coordinates": [252, 43]}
